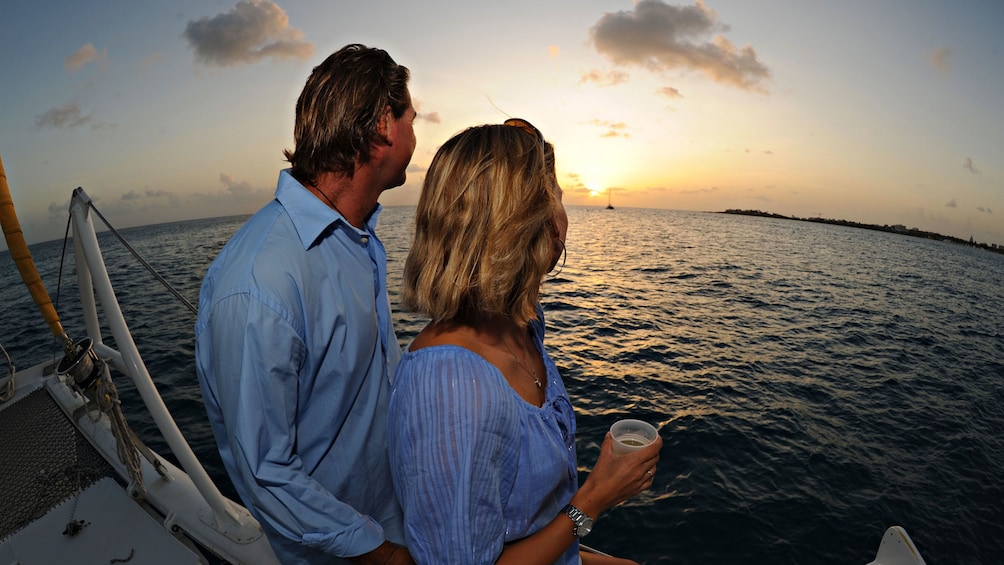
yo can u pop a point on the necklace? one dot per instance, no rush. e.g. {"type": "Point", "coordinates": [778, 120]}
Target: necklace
{"type": "Point", "coordinates": [325, 196]}
{"type": "Point", "coordinates": [536, 380]}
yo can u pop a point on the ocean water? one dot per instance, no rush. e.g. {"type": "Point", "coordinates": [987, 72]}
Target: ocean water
{"type": "Point", "coordinates": [813, 384]}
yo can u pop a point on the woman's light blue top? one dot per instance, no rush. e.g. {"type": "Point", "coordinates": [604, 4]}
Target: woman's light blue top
{"type": "Point", "coordinates": [474, 465]}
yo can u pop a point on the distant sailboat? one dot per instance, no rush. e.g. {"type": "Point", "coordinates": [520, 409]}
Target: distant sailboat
{"type": "Point", "coordinates": [610, 205]}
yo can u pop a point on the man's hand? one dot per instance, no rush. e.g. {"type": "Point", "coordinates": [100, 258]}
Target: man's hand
{"type": "Point", "coordinates": [386, 554]}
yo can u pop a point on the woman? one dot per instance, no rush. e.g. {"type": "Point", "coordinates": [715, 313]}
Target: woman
{"type": "Point", "coordinates": [481, 430]}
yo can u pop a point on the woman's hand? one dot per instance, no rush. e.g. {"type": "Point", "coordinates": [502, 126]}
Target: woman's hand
{"type": "Point", "coordinates": [616, 478]}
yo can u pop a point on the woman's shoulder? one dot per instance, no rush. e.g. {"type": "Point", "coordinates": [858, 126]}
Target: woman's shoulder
{"type": "Point", "coordinates": [451, 381]}
{"type": "Point", "coordinates": [444, 366]}
{"type": "Point", "coordinates": [456, 345]}
{"type": "Point", "coordinates": [445, 353]}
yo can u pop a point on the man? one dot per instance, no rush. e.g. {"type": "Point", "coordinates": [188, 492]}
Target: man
{"type": "Point", "coordinates": [294, 343]}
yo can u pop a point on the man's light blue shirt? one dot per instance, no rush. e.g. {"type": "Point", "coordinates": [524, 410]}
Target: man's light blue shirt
{"type": "Point", "coordinates": [294, 351]}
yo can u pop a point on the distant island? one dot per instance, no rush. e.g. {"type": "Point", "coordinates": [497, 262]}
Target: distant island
{"type": "Point", "coordinates": [900, 229]}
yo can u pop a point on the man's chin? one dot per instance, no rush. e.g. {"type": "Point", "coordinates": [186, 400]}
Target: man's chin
{"type": "Point", "coordinates": [399, 182]}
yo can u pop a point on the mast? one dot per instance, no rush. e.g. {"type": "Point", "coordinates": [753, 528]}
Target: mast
{"type": "Point", "coordinates": [25, 264]}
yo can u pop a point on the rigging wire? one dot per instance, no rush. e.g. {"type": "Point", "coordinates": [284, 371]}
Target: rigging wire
{"type": "Point", "coordinates": [142, 261]}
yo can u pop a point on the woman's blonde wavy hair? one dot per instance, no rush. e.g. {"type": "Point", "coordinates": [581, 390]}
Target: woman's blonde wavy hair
{"type": "Point", "coordinates": [484, 227]}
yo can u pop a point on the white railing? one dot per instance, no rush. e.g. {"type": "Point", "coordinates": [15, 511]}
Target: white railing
{"type": "Point", "coordinates": [231, 520]}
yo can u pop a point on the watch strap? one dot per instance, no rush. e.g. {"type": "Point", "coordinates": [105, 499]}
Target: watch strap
{"type": "Point", "coordinates": [582, 524]}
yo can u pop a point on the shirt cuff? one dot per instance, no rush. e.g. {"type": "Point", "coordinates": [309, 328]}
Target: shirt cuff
{"type": "Point", "coordinates": [362, 537]}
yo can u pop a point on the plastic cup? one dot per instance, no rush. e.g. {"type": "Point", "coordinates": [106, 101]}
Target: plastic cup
{"type": "Point", "coordinates": [632, 435]}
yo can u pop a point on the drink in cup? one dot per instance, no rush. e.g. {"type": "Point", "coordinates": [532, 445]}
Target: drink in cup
{"type": "Point", "coordinates": [632, 435]}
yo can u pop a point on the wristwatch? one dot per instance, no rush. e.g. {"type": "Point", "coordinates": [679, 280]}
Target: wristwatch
{"type": "Point", "coordinates": [583, 524]}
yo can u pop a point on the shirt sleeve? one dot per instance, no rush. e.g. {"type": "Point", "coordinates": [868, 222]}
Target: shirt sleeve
{"type": "Point", "coordinates": [453, 435]}
{"type": "Point", "coordinates": [255, 363]}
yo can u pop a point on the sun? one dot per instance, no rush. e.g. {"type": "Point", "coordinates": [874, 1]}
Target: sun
{"type": "Point", "coordinates": [593, 187]}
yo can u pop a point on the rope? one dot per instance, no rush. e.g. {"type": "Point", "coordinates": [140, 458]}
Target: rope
{"type": "Point", "coordinates": [107, 397]}
{"type": "Point", "coordinates": [62, 258]}
{"type": "Point", "coordinates": [8, 392]}
{"type": "Point", "coordinates": [74, 526]}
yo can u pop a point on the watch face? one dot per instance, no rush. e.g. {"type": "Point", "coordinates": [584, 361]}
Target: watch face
{"type": "Point", "coordinates": [585, 528]}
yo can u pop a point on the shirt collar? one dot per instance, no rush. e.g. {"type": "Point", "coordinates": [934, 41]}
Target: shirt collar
{"type": "Point", "coordinates": [312, 221]}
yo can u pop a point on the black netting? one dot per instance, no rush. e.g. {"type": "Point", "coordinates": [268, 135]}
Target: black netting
{"type": "Point", "coordinates": [43, 461]}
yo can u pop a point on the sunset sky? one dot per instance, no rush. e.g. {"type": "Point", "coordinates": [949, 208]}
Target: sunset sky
{"type": "Point", "coordinates": [882, 112]}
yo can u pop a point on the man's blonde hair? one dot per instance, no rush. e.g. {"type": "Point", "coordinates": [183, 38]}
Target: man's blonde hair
{"type": "Point", "coordinates": [484, 227]}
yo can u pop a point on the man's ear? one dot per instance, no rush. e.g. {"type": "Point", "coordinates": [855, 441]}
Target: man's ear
{"type": "Point", "coordinates": [384, 125]}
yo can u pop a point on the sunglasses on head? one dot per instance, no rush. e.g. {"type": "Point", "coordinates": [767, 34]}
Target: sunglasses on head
{"type": "Point", "coordinates": [525, 126]}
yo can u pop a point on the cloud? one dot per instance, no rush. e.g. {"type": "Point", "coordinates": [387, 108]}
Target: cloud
{"type": "Point", "coordinates": [66, 116]}
{"type": "Point", "coordinates": [669, 92]}
{"type": "Point", "coordinates": [150, 60]}
{"type": "Point", "coordinates": [431, 117]}
{"type": "Point", "coordinates": [86, 54]}
{"type": "Point", "coordinates": [238, 197]}
{"type": "Point", "coordinates": [604, 79]}
{"type": "Point", "coordinates": [614, 129]}
{"type": "Point", "coordinates": [148, 193]}
{"type": "Point", "coordinates": [970, 166]}
{"type": "Point", "coordinates": [235, 187]}
{"type": "Point", "coordinates": [59, 209]}
{"type": "Point", "coordinates": [663, 37]}
{"type": "Point", "coordinates": [985, 210]}
{"type": "Point", "coordinates": [251, 31]}
{"type": "Point", "coordinates": [951, 204]}
{"type": "Point", "coordinates": [939, 59]}
{"type": "Point", "coordinates": [709, 190]}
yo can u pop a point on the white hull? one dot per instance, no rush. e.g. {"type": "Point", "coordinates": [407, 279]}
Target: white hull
{"type": "Point", "coordinates": [161, 526]}
{"type": "Point", "coordinates": [897, 549]}
{"type": "Point", "coordinates": [175, 510]}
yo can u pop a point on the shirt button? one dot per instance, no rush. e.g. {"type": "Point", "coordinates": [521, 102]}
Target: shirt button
{"type": "Point", "coordinates": [364, 240]}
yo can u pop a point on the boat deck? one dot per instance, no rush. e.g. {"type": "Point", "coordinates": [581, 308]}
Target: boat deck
{"type": "Point", "coordinates": [45, 460]}
{"type": "Point", "coordinates": [115, 530]}
{"type": "Point", "coordinates": [53, 482]}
